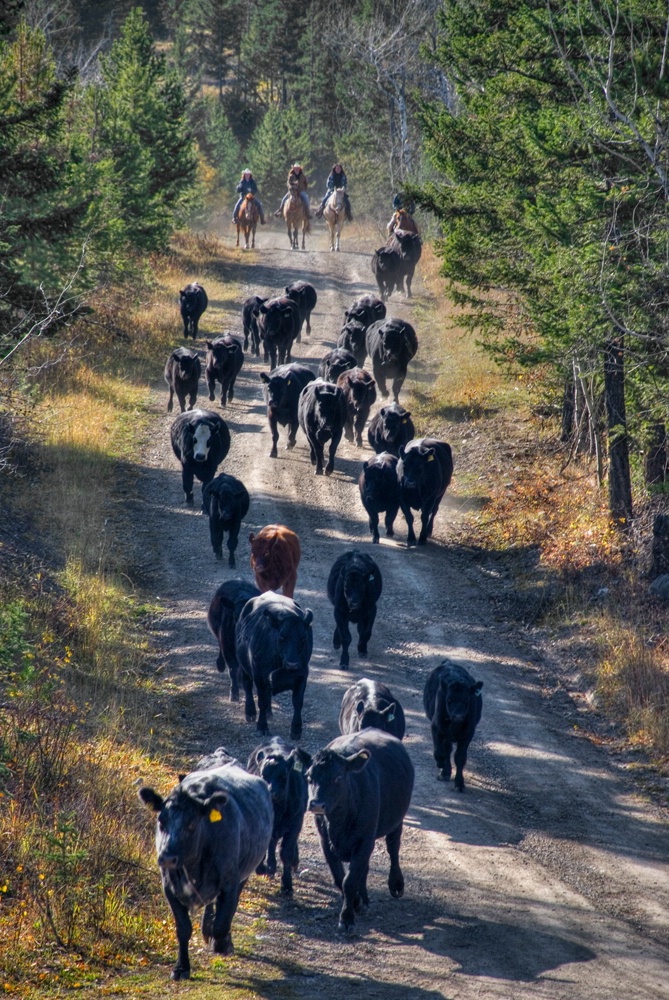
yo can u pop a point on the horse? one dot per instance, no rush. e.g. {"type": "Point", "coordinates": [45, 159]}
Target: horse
{"type": "Point", "coordinates": [295, 212]}
{"type": "Point", "coordinates": [333, 213]}
{"type": "Point", "coordinates": [247, 220]}
{"type": "Point", "coordinates": [402, 220]}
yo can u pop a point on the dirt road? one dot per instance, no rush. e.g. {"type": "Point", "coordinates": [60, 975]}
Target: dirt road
{"type": "Point", "coordinates": [548, 877]}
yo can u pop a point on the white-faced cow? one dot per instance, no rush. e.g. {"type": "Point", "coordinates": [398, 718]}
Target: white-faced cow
{"type": "Point", "coordinates": [359, 790]}
{"type": "Point", "coordinates": [200, 440]}
{"type": "Point", "coordinates": [453, 704]}
{"type": "Point", "coordinates": [225, 358]}
{"type": "Point", "coordinates": [213, 831]}
{"type": "Point", "coordinates": [424, 471]}
{"type": "Point", "coordinates": [282, 766]}
{"type": "Point", "coordinates": [182, 374]}
{"type": "Point", "coordinates": [370, 704]}
{"type": "Point", "coordinates": [192, 301]}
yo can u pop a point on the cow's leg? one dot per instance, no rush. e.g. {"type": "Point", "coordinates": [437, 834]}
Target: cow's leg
{"type": "Point", "coordinates": [249, 705]}
{"type": "Point", "coordinates": [406, 510]}
{"type": "Point", "coordinates": [460, 758]}
{"type": "Point", "coordinates": [426, 516]}
{"type": "Point", "coordinates": [216, 534]}
{"type": "Point", "coordinates": [354, 885]}
{"type": "Point", "coordinates": [226, 904]}
{"type": "Point", "coordinates": [391, 514]}
{"type": "Point", "coordinates": [270, 859]}
{"type": "Point", "coordinates": [191, 399]}
{"type": "Point", "coordinates": [348, 428]}
{"type": "Point", "coordinates": [309, 323]}
{"type": "Point", "coordinates": [207, 925]}
{"type": "Point", "coordinates": [318, 450]}
{"type": "Point", "coordinates": [381, 382]}
{"type": "Point", "coordinates": [170, 401]}
{"type": "Point", "coordinates": [187, 477]}
{"type": "Point", "coordinates": [231, 388]}
{"type": "Point", "coordinates": [334, 862]}
{"type": "Point", "coordinates": [264, 704]}
{"type": "Point", "coordinates": [292, 434]}
{"type": "Point", "coordinates": [298, 701]}
{"type": "Point", "coordinates": [289, 858]}
{"type": "Point", "coordinates": [233, 541]}
{"type": "Point", "coordinates": [288, 587]}
{"type": "Point", "coordinates": [211, 382]}
{"type": "Point", "coordinates": [432, 516]}
{"type": "Point", "coordinates": [397, 385]}
{"type": "Point", "coordinates": [184, 929]}
{"type": "Point", "coordinates": [272, 356]}
{"type": "Point", "coordinates": [374, 525]}
{"type": "Point", "coordinates": [344, 634]}
{"type": "Point", "coordinates": [365, 626]}
{"type": "Point", "coordinates": [334, 444]}
{"type": "Point", "coordinates": [234, 679]}
{"type": "Point", "coordinates": [442, 753]}
{"type": "Point", "coordinates": [359, 425]}
{"type": "Point", "coordinates": [274, 431]}
{"type": "Point", "coordinates": [395, 878]}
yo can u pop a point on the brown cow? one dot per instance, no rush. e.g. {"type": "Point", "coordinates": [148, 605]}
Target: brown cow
{"type": "Point", "coordinates": [275, 554]}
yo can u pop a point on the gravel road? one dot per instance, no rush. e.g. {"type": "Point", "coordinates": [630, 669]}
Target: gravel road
{"type": "Point", "coordinates": [548, 877]}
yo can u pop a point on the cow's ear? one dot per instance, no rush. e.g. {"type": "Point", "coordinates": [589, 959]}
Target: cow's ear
{"type": "Point", "coordinates": [251, 537]}
{"type": "Point", "coordinates": [365, 466]}
{"type": "Point", "coordinates": [209, 345]}
{"type": "Point", "coordinates": [260, 756]}
{"type": "Point", "coordinates": [401, 451]}
{"type": "Point", "coordinates": [151, 798]}
{"type": "Point", "coordinates": [264, 377]}
{"type": "Point", "coordinates": [214, 804]}
{"type": "Point", "coordinates": [389, 712]}
{"type": "Point", "coordinates": [477, 688]}
{"type": "Point", "coordinates": [308, 616]}
{"type": "Point", "coordinates": [430, 454]}
{"type": "Point", "coordinates": [181, 777]}
{"type": "Point", "coordinates": [360, 708]}
{"type": "Point", "coordinates": [359, 761]}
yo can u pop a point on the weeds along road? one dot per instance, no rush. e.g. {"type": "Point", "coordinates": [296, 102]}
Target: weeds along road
{"type": "Point", "coordinates": [547, 878]}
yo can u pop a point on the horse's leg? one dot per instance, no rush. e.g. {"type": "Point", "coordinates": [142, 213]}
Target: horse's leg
{"type": "Point", "coordinates": [338, 235]}
{"type": "Point", "coordinates": [305, 223]}
{"type": "Point", "coordinates": [253, 236]}
{"type": "Point", "coordinates": [238, 228]}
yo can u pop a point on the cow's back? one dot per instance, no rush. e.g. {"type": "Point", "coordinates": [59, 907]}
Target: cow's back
{"type": "Point", "coordinates": [386, 783]}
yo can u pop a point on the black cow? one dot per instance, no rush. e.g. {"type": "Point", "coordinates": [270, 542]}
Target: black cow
{"type": "Point", "coordinates": [367, 310]}
{"type": "Point", "coordinates": [353, 338]}
{"type": "Point", "coordinates": [322, 414]}
{"type": "Point", "coordinates": [274, 643]}
{"type": "Point", "coordinates": [391, 344]}
{"type": "Point", "coordinates": [388, 269]}
{"type": "Point", "coordinates": [250, 309]}
{"type": "Point", "coordinates": [212, 832]}
{"type": "Point", "coordinates": [453, 704]}
{"type": "Point", "coordinates": [359, 790]}
{"type": "Point", "coordinates": [200, 440]}
{"type": "Point", "coordinates": [354, 587]}
{"type": "Point", "coordinates": [278, 326]}
{"type": "Point", "coordinates": [226, 501]}
{"type": "Point", "coordinates": [225, 358]}
{"type": "Point", "coordinates": [409, 248]}
{"type": "Point", "coordinates": [359, 388]}
{"type": "Point", "coordinates": [182, 374]}
{"type": "Point", "coordinates": [224, 611]}
{"type": "Point", "coordinates": [282, 390]}
{"type": "Point", "coordinates": [282, 766]}
{"type": "Point", "coordinates": [380, 491]}
{"type": "Point", "coordinates": [424, 471]}
{"type": "Point", "coordinates": [390, 428]}
{"type": "Point", "coordinates": [371, 705]}
{"type": "Point", "coordinates": [306, 297]}
{"type": "Point", "coordinates": [219, 757]}
{"type": "Point", "coordinates": [193, 302]}
{"type": "Point", "coordinates": [335, 362]}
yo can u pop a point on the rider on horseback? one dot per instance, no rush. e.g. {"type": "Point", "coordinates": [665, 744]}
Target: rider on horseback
{"type": "Point", "coordinates": [337, 179]}
{"type": "Point", "coordinates": [296, 179]}
{"type": "Point", "coordinates": [400, 201]}
{"type": "Point", "coordinates": [247, 185]}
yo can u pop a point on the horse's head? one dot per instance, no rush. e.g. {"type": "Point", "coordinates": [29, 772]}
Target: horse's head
{"type": "Point", "coordinates": [250, 196]}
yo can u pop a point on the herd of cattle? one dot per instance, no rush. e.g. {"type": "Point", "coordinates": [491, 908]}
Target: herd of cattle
{"type": "Point", "coordinates": [223, 821]}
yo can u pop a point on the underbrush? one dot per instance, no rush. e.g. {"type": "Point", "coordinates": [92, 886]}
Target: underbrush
{"type": "Point", "coordinates": [82, 716]}
{"type": "Point", "coordinates": [546, 521]}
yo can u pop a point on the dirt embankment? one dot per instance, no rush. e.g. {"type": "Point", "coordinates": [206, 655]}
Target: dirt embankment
{"type": "Point", "coordinates": [547, 878]}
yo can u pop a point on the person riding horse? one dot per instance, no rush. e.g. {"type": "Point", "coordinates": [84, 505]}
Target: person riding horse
{"type": "Point", "coordinates": [400, 201]}
{"type": "Point", "coordinates": [247, 185]}
{"type": "Point", "coordinates": [297, 179]}
{"type": "Point", "coordinates": [337, 179]}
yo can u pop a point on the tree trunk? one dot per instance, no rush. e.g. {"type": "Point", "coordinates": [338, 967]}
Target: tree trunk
{"type": "Point", "coordinates": [620, 484]}
{"type": "Point", "coordinates": [568, 410]}
{"type": "Point", "coordinates": [655, 458]}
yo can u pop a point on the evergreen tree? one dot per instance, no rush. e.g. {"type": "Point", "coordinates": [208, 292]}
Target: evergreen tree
{"type": "Point", "coordinates": [280, 140]}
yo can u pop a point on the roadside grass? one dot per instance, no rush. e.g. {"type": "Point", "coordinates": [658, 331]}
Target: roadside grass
{"type": "Point", "coordinates": [546, 521]}
{"type": "Point", "coordinates": [83, 716]}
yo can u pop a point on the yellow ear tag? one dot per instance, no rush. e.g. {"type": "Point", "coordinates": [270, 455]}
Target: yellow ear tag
{"type": "Point", "coordinates": [215, 816]}
{"type": "Point", "coordinates": [430, 458]}
{"type": "Point", "coordinates": [405, 420]}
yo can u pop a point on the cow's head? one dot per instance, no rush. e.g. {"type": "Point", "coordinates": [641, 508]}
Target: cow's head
{"type": "Point", "coordinates": [276, 769]}
{"type": "Point", "coordinates": [294, 637]}
{"type": "Point", "coordinates": [376, 718]}
{"type": "Point", "coordinates": [277, 388]}
{"type": "Point", "coordinates": [394, 417]}
{"type": "Point", "coordinates": [204, 436]}
{"type": "Point", "coordinates": [357, 580]}
{"type": "Point", "coordinates": [328, 779]}
{"type": "Point", "coordinates": [374, 477]}
{"type": "Point", "coordinates": [458, 695]}
{"type": "Point", "coordinates": [186, 362]}
{"type": "Point", "coordinates": [416, 464]}
{"type": "Point", "coordinates": [184, 825]}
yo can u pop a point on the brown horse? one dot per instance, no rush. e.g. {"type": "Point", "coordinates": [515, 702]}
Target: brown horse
{"type": "Point", "coordinates": [333, 213]}
{"type": "Point", "coordinates": [295, 212]}
{"type": "Point", "coordinates": [402, 220]}
{"type": "Point", "coordinates": [247, 220]}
